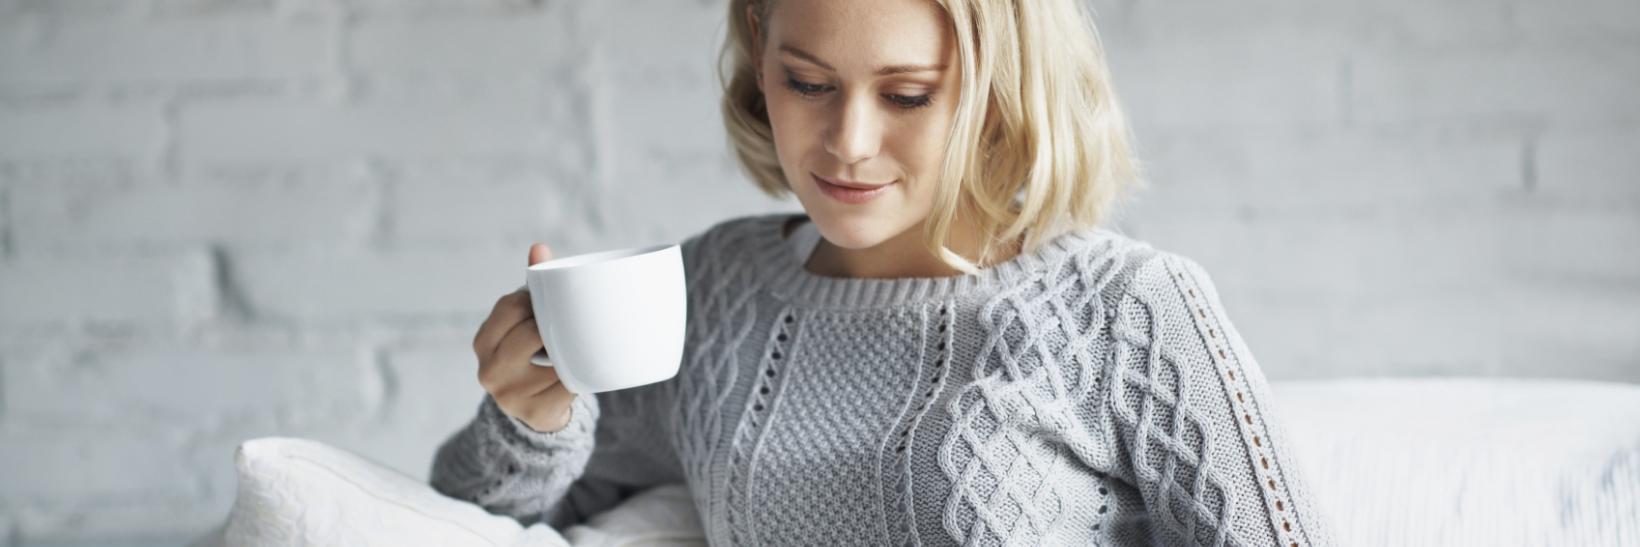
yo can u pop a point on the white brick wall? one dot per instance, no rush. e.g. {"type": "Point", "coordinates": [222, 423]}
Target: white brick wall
{"type": "Point", "coordinates": [224, 219]}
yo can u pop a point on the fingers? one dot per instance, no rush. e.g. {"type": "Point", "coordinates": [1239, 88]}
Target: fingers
{"type": "Point", "coordinates": [539, 253]}
{"type": "Point", "coordinates": [514, 382]}
{"type": "Point", "coordinates": [509, 310]}
{"type": "Point", "coordinates": [509, 368]}
{"type": "Point", "coordinates": [519, 343]}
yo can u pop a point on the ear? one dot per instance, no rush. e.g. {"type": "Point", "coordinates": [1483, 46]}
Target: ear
{"type": "Point", "coordinates": [752, 24]}
{"type": "Point", "coordinates": [757, 42]}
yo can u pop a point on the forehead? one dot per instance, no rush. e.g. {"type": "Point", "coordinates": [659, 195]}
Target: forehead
{"type": "Point", "coordinates": [861, 35]}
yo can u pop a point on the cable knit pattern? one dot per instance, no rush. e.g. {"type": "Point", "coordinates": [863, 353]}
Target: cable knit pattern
{"type": "Point", "coordinates": [1090, 391]}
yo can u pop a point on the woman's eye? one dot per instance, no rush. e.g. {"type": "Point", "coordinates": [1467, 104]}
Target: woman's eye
{"type": "Point", "coordinates": [805, 88]}
{"type": "Point", "coordinates": [907, 102]}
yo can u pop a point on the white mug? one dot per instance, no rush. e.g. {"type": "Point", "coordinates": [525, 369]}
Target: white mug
{"type": "Point", "coordinates": [610, 320]}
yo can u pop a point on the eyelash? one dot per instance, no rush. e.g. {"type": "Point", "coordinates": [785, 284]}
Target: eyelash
{"type": "Point", "coordinates": [903, 101]}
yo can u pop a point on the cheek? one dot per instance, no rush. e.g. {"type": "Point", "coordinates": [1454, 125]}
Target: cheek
{"type": "Point", "coordinates": [922, 148]}
{"type": "Point", "coordinates": [793, 130]}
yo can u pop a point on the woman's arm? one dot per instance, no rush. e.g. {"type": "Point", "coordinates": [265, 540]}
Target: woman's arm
{"type": "Point", "coordinates": [500, 463]}
{"type": "Point", "coordinates": [1200, 431]}
{"type": "Point", "coordinates": [613, 447]}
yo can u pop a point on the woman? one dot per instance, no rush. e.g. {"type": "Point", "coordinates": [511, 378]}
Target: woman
{"type": "Point", "coordinates": [946, 347]}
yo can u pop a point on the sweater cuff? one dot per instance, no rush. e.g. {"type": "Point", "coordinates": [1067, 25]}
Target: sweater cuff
{"type": "Point", "coordinates": [583, 422]}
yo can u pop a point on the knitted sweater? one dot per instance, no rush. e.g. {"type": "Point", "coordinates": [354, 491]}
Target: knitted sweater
{"type": "Point", "coordinates": [1091, 391]}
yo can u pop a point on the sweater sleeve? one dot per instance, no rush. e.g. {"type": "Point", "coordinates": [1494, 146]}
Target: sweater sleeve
{"type": "Point", "coordinates": [1198, 431]}
{"type": "Point", "coordinates": [614, 446]}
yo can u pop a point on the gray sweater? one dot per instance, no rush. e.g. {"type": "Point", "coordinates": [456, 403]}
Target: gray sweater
{"type": "Point", "coordinates": [1091, 391]}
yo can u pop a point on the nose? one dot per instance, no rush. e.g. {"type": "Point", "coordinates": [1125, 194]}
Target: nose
{"type": "Point", "coordinates": [856, 133]}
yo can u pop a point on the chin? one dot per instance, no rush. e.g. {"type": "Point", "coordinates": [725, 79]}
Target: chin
{"type": "Point", "coordinates": [855, 232]}
{"type": "Point", "coordinates": [857, 227]}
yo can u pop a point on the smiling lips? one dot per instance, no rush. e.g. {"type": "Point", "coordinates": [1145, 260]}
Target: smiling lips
{"type": "Point", "coordinates": [850, 192]}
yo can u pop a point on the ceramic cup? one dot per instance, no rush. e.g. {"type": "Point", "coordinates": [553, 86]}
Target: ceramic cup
{"type": "Point", "coordinates": [610, 320]}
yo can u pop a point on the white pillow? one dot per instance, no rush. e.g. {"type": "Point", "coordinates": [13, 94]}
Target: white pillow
{"type": "Point", "coordinates": [295, 492]}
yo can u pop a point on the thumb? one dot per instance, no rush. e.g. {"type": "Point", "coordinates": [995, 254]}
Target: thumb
{"type": "Point", "coordinates": [539, 253]}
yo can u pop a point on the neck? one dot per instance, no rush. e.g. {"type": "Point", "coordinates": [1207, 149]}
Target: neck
{"type": "Point", "coordinates": [903, 255]}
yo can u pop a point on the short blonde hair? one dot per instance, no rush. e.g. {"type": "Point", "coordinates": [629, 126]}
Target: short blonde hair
{"type": "Point", "coordinates": [1039, 146]}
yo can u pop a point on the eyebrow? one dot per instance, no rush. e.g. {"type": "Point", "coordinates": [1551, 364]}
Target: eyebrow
{"type": "Point", "coordinates": [884, 71]}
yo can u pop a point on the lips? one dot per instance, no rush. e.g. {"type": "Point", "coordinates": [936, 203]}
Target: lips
{"type": "Point", "coordinates": [853, 184]}
{"type": "Point", "coordinates": [850, 192]}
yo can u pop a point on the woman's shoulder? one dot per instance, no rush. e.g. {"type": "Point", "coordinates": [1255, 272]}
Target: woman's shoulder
{"type": "Point", "coordinates": [1120, 265]}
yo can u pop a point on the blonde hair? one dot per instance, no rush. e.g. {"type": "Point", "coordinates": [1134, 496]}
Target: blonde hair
{"type": "Point", "coordinates": [1037, 118]}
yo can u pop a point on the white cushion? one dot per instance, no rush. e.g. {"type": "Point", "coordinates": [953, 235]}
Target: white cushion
{"type": "Point", "coordinates": [297, 492]}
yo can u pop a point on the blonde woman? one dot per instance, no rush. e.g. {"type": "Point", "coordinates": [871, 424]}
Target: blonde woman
{"type": "Point", "coordinates": [946, 347]}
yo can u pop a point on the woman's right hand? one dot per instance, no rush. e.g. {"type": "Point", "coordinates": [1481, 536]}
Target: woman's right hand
{"type": "Point", "coordinates": [504, 344]}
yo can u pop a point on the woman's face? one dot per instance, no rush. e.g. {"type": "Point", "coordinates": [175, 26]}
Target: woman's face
{"type": "Point", "coordinates": [860, 92]}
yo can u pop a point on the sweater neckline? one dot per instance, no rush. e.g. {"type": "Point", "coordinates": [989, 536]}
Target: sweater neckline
{"type": "Point", "coordinates": [789, 279]}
